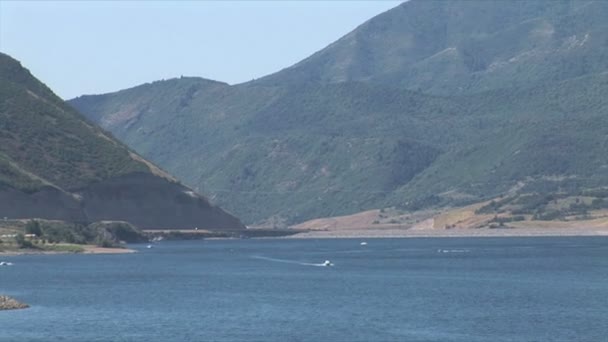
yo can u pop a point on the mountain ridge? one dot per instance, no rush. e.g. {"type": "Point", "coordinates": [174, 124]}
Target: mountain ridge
{"type": "Point", "coordinates": [390, 47]}
{"type": "Point", "coordinates": [55, 164]}
{"type": "Point", "coordinates": [476, 108]}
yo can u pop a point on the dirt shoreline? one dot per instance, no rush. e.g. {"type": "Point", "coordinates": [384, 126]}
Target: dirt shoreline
{"type": "Point", "coordinates": [447, 233]}
{"type": "Point", "coordinates": [104, 250]}
{"type": "Point", "coordinates": [87, 249]}
{"type": "Point", "coordinates": [374, 233]}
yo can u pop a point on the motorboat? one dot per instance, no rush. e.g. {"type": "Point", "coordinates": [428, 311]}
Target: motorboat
{"type": "Point", "coordinates": [149, 246]}
{"type": "Point", "coordinates": [327, 263]}
{"type": "Point", "coordinates": [6, 263]}
{"type": "Point", "coordinates": [363, 243]}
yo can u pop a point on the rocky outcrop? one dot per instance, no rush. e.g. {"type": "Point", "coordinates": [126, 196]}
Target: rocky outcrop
{"type": "Point", "coordinates": [143, 199]}
{"type": "Point", "coordinates": [117, 232]}
{"type": "Point", "coordinates": [8, 303]}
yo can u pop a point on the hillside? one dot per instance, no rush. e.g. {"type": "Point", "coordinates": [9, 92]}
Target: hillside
{"type": "Point", "coordinates": [386, 117]}
{"type": "Point", "coordinates": [456, 47]}
{"type": "Point", "coordinates": [56, 165]}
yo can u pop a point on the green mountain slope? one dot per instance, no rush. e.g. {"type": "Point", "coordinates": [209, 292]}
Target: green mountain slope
{"type": "Point", "coordinates": [450, 47]}
{"type": "Point", "coordinates": [54, 164]}
{"type": "Point", "coordinates": [339, 132]}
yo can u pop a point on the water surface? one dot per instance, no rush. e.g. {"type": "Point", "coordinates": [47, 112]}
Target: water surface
{"type": "Point", "coordinates": [427, 289]}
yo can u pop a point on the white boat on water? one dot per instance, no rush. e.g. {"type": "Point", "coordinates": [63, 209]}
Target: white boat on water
{"type": "Point", "coordinates": [6, 263]}
{"type": "Point", "coordinates": [149, 246]}
{"type": "Point", "coordinates": [363, 243]}
{"type": "Point", "coordinates": [327, 263]}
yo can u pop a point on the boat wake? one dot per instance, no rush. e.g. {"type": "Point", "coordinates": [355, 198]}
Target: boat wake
{"type": "Point", "coordinates": [453, 250]}
{"type": "Point", "coordinates": [295, 262]}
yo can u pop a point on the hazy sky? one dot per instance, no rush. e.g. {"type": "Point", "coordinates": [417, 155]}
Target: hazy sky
{"type": "Point", "coordinates": [86, 47]}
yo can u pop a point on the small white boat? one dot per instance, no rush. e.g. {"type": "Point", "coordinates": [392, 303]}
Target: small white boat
{"type": "Point", "coordinates": [149, 246]}
{"type": "Point", "coordinates": [363, 243]}
{"type": "Point", "coordinates": [327, 263]}
{"type": "Point", "coordinates": [6, 263]}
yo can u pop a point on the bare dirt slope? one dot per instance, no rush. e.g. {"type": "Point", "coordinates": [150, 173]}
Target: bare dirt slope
{"type": "Point", "coordinates": [446, 223]}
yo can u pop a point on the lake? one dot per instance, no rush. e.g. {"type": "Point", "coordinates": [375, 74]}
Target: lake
{"type": "Point", "coordinates": [423, 289]}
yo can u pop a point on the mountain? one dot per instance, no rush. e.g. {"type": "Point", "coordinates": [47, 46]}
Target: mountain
{"type": "Point", "coordinates": [54, 164]}
{"type": "Point", "coordinates": [430, 103]}
{"type": "Point", "coordinates": [454, 47]}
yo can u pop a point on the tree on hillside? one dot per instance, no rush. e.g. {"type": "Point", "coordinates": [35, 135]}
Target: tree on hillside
{"type": "Point", "coordinates": [33, 227]}
{"type": "Point", "coordinates": [22, 242]}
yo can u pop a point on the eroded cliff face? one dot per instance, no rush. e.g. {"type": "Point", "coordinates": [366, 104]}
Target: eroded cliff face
{"type": "Point", "coordinates": [143, 199]}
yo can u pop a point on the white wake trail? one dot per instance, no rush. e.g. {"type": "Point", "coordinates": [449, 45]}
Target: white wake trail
{"type": "Point", "coordinates": [295, 262]}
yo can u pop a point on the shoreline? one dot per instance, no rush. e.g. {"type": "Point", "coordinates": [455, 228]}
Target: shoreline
{"type": "Point", "coordinates": [90, 249]}
{"type": "Point", "coordinates": [446, 233]}
{"type": "Point", "coordinates": [87, 249]}
{"type": "Point", "coordinates": [368, 233]}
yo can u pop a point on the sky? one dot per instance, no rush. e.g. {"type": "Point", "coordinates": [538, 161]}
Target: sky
{"type": "Point", "coordinates": [94, 47]}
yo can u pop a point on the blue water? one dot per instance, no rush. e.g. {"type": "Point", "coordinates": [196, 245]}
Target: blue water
{"type": "Point", "coordinates": [459, 289]}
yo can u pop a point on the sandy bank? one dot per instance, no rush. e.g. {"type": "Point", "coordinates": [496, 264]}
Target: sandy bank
{"type": "Point", "coordinates": [90, 249]}
{"type": "Point", "coordinates": [469, 232]}
{"type": "Point", "coordinates": [87, 249]}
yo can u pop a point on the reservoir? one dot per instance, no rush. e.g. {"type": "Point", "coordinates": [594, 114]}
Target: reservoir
{"type": "Point", "coordinates": [419, 289]}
